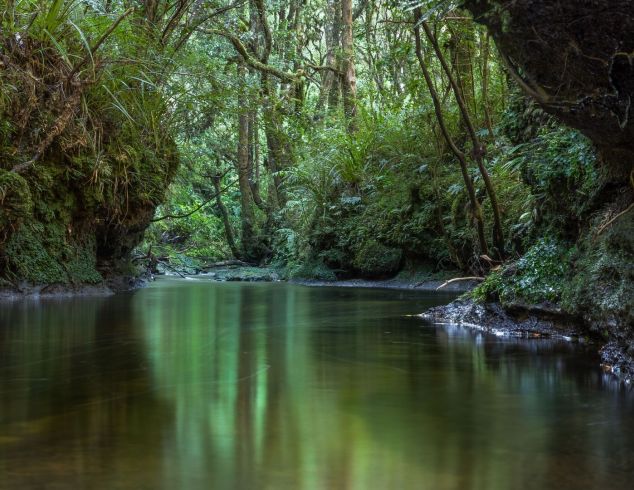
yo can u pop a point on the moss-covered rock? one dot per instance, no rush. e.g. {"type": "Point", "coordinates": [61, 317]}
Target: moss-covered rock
{"type": "Point", "coordinates": [601, 288]}
{"type": "Point", "coordinates": [312, 269]}
{"type": "Point", "coordinates": [593, 40]}
{"type": "Point", "coordinates": [373, 259]}
{"type": "Point", "coordinates": [539, 276]}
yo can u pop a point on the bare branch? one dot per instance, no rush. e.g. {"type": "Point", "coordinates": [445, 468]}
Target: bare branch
{"type": "Point", "coordinates": [457, 279]}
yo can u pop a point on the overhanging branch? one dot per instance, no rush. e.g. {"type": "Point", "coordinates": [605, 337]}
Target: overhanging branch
{"type": "Point", "coordinates": [251, 61]}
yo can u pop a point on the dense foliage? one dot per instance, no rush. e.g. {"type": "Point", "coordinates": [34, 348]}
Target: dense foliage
{"type": "Point", "coordinates": [385, 196]}
{"type": "Point", "coordinates": [324, 138]}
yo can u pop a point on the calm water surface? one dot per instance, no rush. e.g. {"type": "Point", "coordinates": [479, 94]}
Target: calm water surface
{"type": "Point", "coordinates": [199, 385]}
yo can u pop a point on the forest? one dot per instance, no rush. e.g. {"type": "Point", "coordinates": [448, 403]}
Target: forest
{"type": "Point", "coordinates": [326, 140]}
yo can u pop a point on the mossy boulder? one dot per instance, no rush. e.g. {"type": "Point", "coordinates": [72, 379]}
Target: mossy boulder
{"type": "Point", "coordinates": [311, 269]}
{"type": "Point", "coordinates": [593, 40]}
{"type": "Point", "coordinates": [539, 276]}
{"type": "Point", "coordinates": [373, 259]}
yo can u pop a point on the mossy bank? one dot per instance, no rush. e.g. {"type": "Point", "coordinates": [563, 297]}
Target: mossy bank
{"type": "Point", "coordinates": [80, 176]}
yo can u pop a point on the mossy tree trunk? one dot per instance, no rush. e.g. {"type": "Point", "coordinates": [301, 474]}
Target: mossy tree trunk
{"type": "Point", "coordinates": [349, 77]}
{"type": "Point", "coordinates": [247, 216]}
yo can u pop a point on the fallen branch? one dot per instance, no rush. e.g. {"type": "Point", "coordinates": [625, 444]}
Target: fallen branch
{"type": "Point", "coordinates": [456, 279]}
{"type": "Point", "coordinates": [173, 269]}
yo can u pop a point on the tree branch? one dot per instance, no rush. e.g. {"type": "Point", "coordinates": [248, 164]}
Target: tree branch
{"type": "Point", "coordinates": [198, 208]}
{"type": "Point", "coordinates": [253, 62]}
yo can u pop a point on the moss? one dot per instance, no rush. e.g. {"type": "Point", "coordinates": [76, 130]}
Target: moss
{"type": "Point", "coordinates": [80, 263]}
{"type": "Point", "coordinates": [539, 276]}
{"type": "Point", "coordinates": [42, 254]}
{"type": "Point", "coordinates": [313, 269]}
{"type": "Point", "coordinates": [15, 199]}
{"type": "Point", "coordinates": [85, 203]}
{"type": "Point", "coordinates": [29, 259]}
{"type": "Point", "coordinates": [603, 277]}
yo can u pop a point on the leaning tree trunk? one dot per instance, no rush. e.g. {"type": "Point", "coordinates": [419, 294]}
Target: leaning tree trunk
{"type": "Point", "coordinates": [473, 199]}
{"type": "Point", "coordinates": [479, 149]}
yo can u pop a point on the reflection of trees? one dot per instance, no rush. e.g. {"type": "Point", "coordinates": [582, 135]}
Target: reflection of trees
{"type": "Point", "coordinates": [192, 385]}
{"type": "Point", "coordinates": [546, 392]}
{"type": "Point", "coordinates": [333, 389]}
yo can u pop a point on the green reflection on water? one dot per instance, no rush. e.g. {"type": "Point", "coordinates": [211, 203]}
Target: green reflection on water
{"type": "Point", "coordinates": [190, 385]}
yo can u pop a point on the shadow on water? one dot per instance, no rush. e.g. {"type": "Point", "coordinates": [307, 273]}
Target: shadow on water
{"type": "Point", "coordinates": [191, 384]}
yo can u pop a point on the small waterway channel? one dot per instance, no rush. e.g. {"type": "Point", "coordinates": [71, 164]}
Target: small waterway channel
{"type": "Point", "coordinates": [193, 384]}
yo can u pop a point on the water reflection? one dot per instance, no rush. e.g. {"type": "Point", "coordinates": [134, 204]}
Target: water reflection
{"type": "Point", "coordinates": [195, 385]}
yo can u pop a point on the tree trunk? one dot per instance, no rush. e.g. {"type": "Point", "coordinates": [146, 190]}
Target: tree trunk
{"type": "Point", "coordinates": [485, 50]}
{"type": "Point", "coordinates": [349, 75]}
{"type": "Point", "coordinates": [254, 163]}
{"type": "Point", "coordinates": [225, 218]}
{"type": "Point", "coordinates": [329, 79]}
{"type": "Point", "coordinates": [248, 237]}
{"type": "Point", "coordinates": [279, 150]}
{"type": "Point", "coordinates": [478, 147]}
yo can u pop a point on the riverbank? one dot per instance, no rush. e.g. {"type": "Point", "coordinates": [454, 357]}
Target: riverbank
{"type": "Point", "coordinates": [447, 281]}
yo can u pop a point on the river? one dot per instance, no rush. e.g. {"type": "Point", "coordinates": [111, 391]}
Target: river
{"type": "Point", "coordinates": [191, 384]}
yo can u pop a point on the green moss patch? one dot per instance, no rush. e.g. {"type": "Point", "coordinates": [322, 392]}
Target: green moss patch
{"type": "Point", "coordinates": [539, 276]}
{"type": "Point", "coordinates": [41, 254]}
